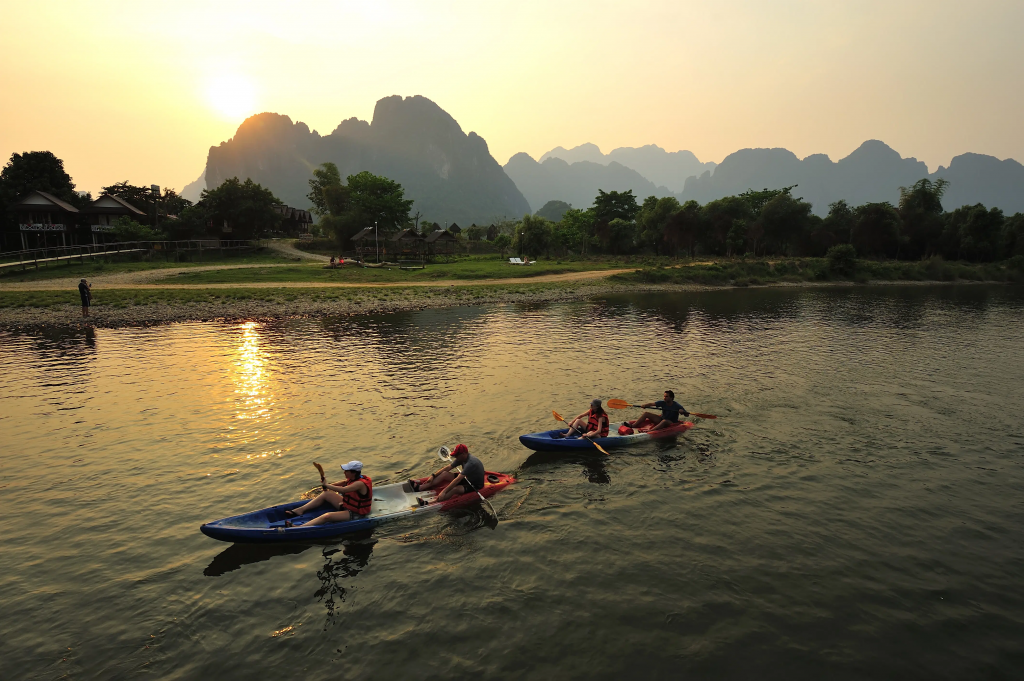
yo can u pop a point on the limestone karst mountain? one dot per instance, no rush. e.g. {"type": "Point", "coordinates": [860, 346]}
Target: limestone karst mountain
{"type": "Point", "coordinates": [575, 183]}
{"type": "Point", "coordinates": [663, 168]}
{"type": "Point", "coordinates": [449, 174]}
{"type": "Point", "coordinates": [873, 172]}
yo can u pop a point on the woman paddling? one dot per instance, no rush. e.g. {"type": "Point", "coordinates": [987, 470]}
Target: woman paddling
{"type": "Point", "coordinates": [593, 422]}
{"type": "Point", "coordinates": [352, 498]}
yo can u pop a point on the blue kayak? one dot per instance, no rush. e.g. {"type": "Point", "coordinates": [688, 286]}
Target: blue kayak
{"type": "Point", "coordinates": [390, 502]}
{"type": "Point", "coordinates": [552, 440]}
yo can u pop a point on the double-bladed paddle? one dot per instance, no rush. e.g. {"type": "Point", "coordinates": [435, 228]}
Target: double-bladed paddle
{"type": "Point", "coordinates": [445, 454]}
{"type": "Point", "coordinates": [559, 418]}
{"type": "Point", "coordinates": [623, 404]}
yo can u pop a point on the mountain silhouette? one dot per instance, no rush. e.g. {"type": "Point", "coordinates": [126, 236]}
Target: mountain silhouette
{"type": "Point", "coordinates": [873, 172]}
{"type": "Point", "coordinates": [575, 183]}
{"type": "Point", "coordinates": [977, 178]}
{"type": "Point", "coordinates": [451, 176]}
{"type": "Point", "coordinates": [663, 168]}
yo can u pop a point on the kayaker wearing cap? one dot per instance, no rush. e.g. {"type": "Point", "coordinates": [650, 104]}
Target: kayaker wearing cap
{"type": "Point", "coordinates": [591, 423]}
{"type": "Point", "coordinates": [669, 413]}
{"type": "Point", "coordinates": [471, 478]}
{"type": "Point", "coordinates": [352, 497]}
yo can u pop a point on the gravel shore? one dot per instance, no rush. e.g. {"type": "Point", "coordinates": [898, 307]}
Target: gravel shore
{"type": "Point", "coordinates": [370, 301]}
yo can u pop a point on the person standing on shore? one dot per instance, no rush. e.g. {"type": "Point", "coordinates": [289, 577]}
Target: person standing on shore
{"type": "Point", "coordinates": [85, 291]}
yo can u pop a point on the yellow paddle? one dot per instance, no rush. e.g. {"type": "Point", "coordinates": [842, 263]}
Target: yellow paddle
{"type": "Point", "coordinates": [623, 404]}
{"type": "Point", "coordinates": [559, 417]}
{"type": "Point", "coordinates": [323, 480]}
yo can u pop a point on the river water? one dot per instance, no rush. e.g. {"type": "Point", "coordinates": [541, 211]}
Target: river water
{"type": "Point", "coordinates": [856, 513]}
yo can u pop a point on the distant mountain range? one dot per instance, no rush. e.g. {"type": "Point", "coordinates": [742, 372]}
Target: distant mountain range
{"type": "Point", "coordinates": [663, 168]}
{"type": "Point", "coordinates": [450, 175]}
{"type": "Point", "coordinates": [575, 183]}
{"type": "Point", "coordinates": [873, 172]}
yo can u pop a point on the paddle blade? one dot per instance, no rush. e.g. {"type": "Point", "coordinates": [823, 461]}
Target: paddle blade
{"type": "Point", "coordinates": [703, 416]}
{"type": "Point", "coordinates": [618, 404]}
{"type": "Point", "coordinates": [600, 448]}
{"type": "Point", "coordinates": [320, 469]}
{"type": "Point", "coordinates": [558, 417]}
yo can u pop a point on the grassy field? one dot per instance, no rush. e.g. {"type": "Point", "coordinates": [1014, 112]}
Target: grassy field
{"type": "Point", "coordinates": [114, 266]}
{"type": "Point", "coordinates": [795, 270]}
{"type": "Point", "coordinates": [471, 267]}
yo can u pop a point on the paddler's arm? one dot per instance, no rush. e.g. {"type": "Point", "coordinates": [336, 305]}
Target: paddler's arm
{"type": "Point", "coordinates": [339, 486]}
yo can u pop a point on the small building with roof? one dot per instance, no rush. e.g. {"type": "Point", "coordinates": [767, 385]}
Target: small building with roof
{"type": "Point", "coordinates": [105, 211]}
{"type": "Point", "coordinates": [407, 243]}
{"type": "Point", "coordinates": [454, 228]}
{"type": "Point", "coordinates": [440, 242]}
{"type": "Point", "coordinates": [294, 221]}
{"type": "Point", "coordinates": [42, 218]}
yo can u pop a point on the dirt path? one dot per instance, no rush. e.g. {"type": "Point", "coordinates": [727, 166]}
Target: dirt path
{"type": "Point", "coordinates": [121, 279]}
{"type": "Point", "coordinates": [286, 248]}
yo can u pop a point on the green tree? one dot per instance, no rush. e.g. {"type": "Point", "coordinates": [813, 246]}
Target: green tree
{"type": "Point", "coordinates": [553, 210]}
{"type": "Point", "coordinates": [327, 175]}
{"type": "Point", "coordinates": [35, 170]}
{"type": "Point", "coordinates": [717, 219]}
{"type": "Point", "coordinates": [651, 220]}
{"type": "Point", "coordinates": [876, 229]}
{"type": "Point", "coordinates": [502, 242]}
{"type": "Point", "coordinates": [611, 205]}
{"type": "Point", "coordinates": [786, 222]}
{"type": "Point", "coordinates": [574, 231]}
{"type": "Point", "coordinates": [380, 200]}
{"type": "Point", "coordinates": [246, 207]}
{"type": "Point", "coordinates": [975, 231]}
{"type": "Point", "coordinates": [836, 228]}
{"type": "Point", "coordinates": [475, 233]}
{"type": "Point", "coordinates": [126, 229]}
{"type": "Point", "coordinates": [143, 198]}
{"type": "Point", "coordinates": [757, 200]}
{"type": "Point", "coordinates": [533, 236]}
{"type": "Point", "coordinates": [920, 211]}
{"type": "Point", "coordinates": [683, 228]}
{"type": "Point", "coordinates": [1012, 236]}
{"type": "Point", "coordinates": [736, 238]}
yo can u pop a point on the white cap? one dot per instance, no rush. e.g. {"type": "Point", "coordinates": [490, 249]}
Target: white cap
{"type": "Point", "coordinates": [352, 466]}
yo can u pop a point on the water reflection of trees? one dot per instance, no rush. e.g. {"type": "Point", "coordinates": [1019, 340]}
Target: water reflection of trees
{"type": "Point", "coordinates": [355, 555]}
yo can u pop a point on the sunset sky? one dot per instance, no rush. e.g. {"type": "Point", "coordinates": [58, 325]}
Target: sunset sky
{"type": "Point", "coordinates": [140, 91]}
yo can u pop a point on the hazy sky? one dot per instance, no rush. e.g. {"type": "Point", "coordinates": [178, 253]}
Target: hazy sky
{"type": "Point", "coordinates": [140, 91]}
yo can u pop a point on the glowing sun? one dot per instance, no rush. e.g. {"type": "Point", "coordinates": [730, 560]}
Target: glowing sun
{"type": "Point", "coordinates": [231, 95]}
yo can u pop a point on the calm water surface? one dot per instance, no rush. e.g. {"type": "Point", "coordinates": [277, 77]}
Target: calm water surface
{"type": "Point", "coordinates": [857, 513]}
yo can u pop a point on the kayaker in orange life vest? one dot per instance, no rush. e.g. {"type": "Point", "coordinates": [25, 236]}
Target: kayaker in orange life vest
{"type": "Point", "coordinates": [352, 497]}
{"type": "Point", "coordinates": [670, 410]}
{"type": "Point", "coordinates": [592, 423]}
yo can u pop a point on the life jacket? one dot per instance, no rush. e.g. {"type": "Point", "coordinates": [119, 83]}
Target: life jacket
{"type": "Point", "coordinates": [592, 420]}
{"type": "Point", "coordinates": [359, 505]}
{"type": "Point", "coordinates": [625, 430]}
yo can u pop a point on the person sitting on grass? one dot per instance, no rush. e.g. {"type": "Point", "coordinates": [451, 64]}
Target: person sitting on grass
{"type": "Point", "coordinates": [669, 413]}
{"type": "Point", "coordinates": [591, 423]}
{"type": "Point", "coordinates": [470, 479]}
{"type": "Point", "coordinates": [351, 498]}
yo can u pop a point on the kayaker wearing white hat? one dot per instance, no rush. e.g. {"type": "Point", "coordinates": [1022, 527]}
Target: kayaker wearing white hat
{"type": "Point", "coordinates": [352, 497]}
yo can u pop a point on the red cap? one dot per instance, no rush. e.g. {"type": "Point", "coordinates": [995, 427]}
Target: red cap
{"type": "Point", "coordinates": [460, 449]}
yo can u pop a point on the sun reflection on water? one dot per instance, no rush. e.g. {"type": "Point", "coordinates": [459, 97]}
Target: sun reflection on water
{"type": "Point", "coordinates": [253, 397]}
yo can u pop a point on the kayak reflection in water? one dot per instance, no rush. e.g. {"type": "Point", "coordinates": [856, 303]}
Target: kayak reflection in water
{"type": "Point", "coordinates": [592, 423]}
{"type": "Point", "coordinates": [351, 497]}
{"type": "Point", "coordinates": [670, 410]}
{"type": "Point", "coordinates": [469, 480]}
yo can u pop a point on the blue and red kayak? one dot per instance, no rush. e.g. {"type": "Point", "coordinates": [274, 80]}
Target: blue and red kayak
{"type": "Point", "coordinates": [552, 440]}
{"type": "Point", "coordinates": [390, 502]}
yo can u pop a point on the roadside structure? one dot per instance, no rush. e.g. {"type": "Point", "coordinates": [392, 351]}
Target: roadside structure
{"type": "Point", "coordinates": [42, 218]}
{"type": "Point", "coordinates": [294, 221]}
{"type": "Point", "coordinates": [105, 211]}
{"type": "Point", "coordinates": [440, 242]}
{"type": "Point", "coordinates": [407, 243]}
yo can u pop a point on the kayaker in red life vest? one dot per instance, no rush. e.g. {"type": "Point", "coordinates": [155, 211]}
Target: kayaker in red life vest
{"type": "Point", "coordinates": [591, 423]}
{"type": "Point", "coordinates": [471, 478]}
{"type": "Point", "coordinates": [352, 497]}
{"type": "Point", "coordinates": [670, 410]}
